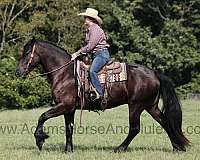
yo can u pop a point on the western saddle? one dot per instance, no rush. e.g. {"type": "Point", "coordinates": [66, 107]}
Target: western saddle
{"type": "Point", "coordinates": [87, 93]}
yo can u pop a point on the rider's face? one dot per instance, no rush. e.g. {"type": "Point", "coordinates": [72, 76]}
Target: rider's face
{"type": "Point", "coordinates": [87, 22]}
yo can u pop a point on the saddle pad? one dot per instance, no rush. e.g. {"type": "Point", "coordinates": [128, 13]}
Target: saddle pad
{"type": "Point", "coordinates": [114, 77]}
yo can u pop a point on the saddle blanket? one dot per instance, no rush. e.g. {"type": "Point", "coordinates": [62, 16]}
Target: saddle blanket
{"type": "Point", "coordinates": [111, 76]}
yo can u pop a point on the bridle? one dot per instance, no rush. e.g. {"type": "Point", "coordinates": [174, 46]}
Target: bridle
{"type": "Point", "coordinates": [43, 74]}
{"type": "Point", "coordinates": [31, 59]}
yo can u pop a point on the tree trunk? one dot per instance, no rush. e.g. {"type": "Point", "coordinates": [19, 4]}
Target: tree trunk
{"type": "Point", "coordinates": [3, 41]}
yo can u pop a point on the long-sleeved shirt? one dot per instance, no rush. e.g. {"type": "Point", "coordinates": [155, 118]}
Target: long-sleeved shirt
{"type": "Point", "coordinates": [95, 39]}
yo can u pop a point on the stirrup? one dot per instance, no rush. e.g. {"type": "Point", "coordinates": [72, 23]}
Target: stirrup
{"type": "Point", "coordinates": [98, 98]}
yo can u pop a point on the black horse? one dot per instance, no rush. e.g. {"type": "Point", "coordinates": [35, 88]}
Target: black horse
{"type": "Point", "coordinates": [141, 91]}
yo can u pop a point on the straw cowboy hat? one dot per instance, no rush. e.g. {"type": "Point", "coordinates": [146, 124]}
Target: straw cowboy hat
{"type": "Point", "coordinates": [93, 13]}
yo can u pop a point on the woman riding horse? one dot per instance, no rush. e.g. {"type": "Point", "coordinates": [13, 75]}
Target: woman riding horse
{"type": "Point", "coordinates": [96, 43]}
{"type": "Point", "coordinates": [141, 91]}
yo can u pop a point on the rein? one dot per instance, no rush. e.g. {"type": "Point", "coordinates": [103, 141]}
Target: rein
{"type": "Point", "coordinates": [46, 73]}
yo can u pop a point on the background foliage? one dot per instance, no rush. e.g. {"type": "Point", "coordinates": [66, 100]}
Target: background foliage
{"type": "Point", "coordinates": [163, 35]}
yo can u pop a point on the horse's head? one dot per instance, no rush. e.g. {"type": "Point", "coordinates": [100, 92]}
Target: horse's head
{"type": "Point", "coordinates": [28, 60]}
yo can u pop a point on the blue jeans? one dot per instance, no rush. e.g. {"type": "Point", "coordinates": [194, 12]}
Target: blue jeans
{"type": "Point", "coordinates": [100, 58]}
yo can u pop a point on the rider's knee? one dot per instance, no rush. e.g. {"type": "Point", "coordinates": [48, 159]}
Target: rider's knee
{"type": "Point", "coordinates": [92, 72]}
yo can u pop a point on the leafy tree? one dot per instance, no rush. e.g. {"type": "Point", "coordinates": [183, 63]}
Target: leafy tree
{"type": "Point", "coordinates": [10, 11]}
{"type": "Point", "coordinates": [163, 35]}
{"type": "Point", "coordinates": [174, 51]}
{"type": "Point", "coordinates": [188, 13]}
{"type": "Point", "coordinates": [17, 93]}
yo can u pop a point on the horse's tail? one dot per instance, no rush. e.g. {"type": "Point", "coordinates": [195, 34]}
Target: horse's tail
{"type": "Point", "coordinates": [172, 111]}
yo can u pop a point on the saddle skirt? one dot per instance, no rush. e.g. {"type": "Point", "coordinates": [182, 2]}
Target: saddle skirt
{"type": "Point", "coordinates": [111, 72]}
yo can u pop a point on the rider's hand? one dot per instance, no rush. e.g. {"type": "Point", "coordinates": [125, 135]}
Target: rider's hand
{"type": "Point", "coordinates": [75, 55]}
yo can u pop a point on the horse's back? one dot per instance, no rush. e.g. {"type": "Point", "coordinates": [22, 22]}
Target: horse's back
{"type": "Point", "coordinates": [143, 83]}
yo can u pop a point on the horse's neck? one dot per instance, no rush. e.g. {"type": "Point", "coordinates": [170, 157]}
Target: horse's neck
{"type": "Point", "coordinates": [51, 60]}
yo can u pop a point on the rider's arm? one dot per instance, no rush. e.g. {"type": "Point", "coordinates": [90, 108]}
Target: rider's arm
{"type": "Point", "coordinates": [95, 35]}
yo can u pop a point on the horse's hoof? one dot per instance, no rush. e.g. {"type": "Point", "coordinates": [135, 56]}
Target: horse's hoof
{"type": "Point", "coordinates": [39, 144]}
{"type": "Point", "coordinates": [68, 150]}
{"type": "Point", "coordinates": [40, 139]}
{"type": "Point", "coordinates": [179, 149]}
{"type": "Point", "coordinates": [119, 149]}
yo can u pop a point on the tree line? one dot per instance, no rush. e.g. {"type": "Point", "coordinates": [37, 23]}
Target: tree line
{"type": "Point", "coordinates": [162, 35]}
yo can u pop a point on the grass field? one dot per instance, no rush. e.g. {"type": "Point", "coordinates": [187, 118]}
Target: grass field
{"type": "Point", "coordinates": [98, 136]}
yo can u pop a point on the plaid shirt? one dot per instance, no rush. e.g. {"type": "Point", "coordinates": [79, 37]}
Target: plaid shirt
{"type": "Point", "coordinates": [95, 39]}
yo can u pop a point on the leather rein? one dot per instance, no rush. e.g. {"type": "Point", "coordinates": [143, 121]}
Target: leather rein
{"type": "Point", "coordinates": [46, 73]}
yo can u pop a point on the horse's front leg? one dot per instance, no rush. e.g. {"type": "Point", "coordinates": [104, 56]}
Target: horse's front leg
{"type": "Point", "coordinates": [39, 134]}
{"type": "Point", "coordinates": [69, 123]}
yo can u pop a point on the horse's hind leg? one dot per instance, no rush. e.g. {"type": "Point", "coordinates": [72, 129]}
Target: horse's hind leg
{"type": "Point", "coordinates": [39, 134]}
{"type": "Point", "coordinates": [156, 113]}
{"type": "Point", "coordinates": [69, 122]}
{"type": "Point", "coordinates": [134, 126]}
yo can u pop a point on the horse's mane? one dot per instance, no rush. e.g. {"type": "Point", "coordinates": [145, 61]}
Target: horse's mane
{"type": "Point", "coordinates": [54, 46]}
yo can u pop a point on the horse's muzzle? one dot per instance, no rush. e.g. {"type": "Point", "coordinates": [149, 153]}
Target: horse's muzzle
{"type": "Point", "coordinates": [20, 74]}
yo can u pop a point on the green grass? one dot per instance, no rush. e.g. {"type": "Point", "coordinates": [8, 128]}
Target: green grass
{"type": "Point", "coordinates": [98, 146]}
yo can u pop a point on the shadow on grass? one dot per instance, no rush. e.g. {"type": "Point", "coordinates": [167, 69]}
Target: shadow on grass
{"type": "Point", "coordinates": [81, 147]}
{"type": "Point", "coordinates": [111, 148]}
{"type": "Point", "coordinates": [144, 148]}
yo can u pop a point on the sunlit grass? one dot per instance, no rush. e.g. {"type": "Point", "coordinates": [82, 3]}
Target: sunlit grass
{"type": "Point", "coordinates": [98, 136]}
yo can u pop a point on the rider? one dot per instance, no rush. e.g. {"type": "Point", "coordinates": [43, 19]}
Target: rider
{"type": "Point", "coordinates": [97, 45]}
